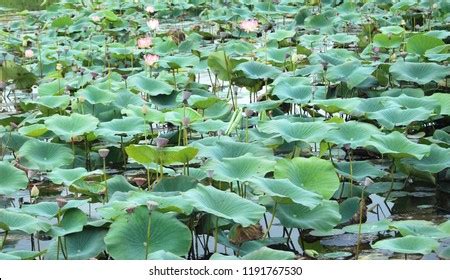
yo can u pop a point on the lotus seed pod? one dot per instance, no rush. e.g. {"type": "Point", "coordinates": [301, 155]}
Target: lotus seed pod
{"type": "Point", "coordinates": [61, 202]}
{"type": "Point", "coordinates": [103, 153]}
{"type": "Point", "coordinates": [161, 142]}
{"type": "Point", "coordinates": [152, 205]}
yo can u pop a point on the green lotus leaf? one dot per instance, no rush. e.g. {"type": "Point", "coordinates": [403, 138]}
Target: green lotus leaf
{"type": "Point", "coordinates": [417, 72]}
{"type": "Point", "coordinates": [52, 88]}
{"type": "Point", "coordinates": [436, 161]}
{"type": "Point", "coordinates": [408, 245]}
{"type": "Point", "coordinates": [67, 176]}
{"type": "Point", "coordinates": [151, 115]}
{"type": "Point", "coordinates": [369, 228]}
{"type": "Point", "coordinates": [411, 102]}
{"type": "Point", "coordinates": [353, 73]}
{"type": "Point", "coordinates": [44, 156]}
{"type": "Point", "coordinates": [54, 102]}
{"type": "Point", "coordinates": [96, 95]}
{"type": "Point", "coordinates": [420, 43]}
{"type": "Point", "coordinates": [344, 38]}
{"type": "Point", "coordinates": [176, 184]}
{"type": "Point", "coordinates": [387, 41]}
{"type": "Point", "coordinates": [284, 192]}
{"type": "Point", "coordinates": [308, 132]}
{"type": "Point", "coordinates": [323, 217]}
{"type": "Point", "coordinates": [13, 179]}
{"type": "Point", "coordinates": [83, 245]}
{"type": "Point", "coordinates": [72, 221]}
{"type": "Point", "coordinates": [444, 100]}
{"type": "Point", "coordinates": [346, 105]}
{"type": "Point", "coordinates": [221, 65]}
{"type": "Point", "coordinates": [22, 78]}
{"type": "Point", "coordinates": [62, 22]}
{"type": "Point", "coordinates": [336, 255]}
{"type": "Point", "coordinates": [419, 228]}
{"type": "Point", "coordinates": [360, 170]}
{"type": "Point", "coordinates": [163, 255]}
{"type": "Point", "coordinates": [281, 34]}
{"type": "Point", "coordinates": [23, 254]}
{"type": "Point", "coordinates": [291, 89]}
{"type": "Point", "coordinates": [119, 183]}
{"type": "Point", "coordinates": [439, 53]}
{"type": "Point", "coordinates": [225, 205]}
{"type": "Point", "coordinates": [445, 227]}
{"type": "Point", "coordinates": [151, 86]}
{"type": "Point", "coordinates": [176, 116]}
{"type": "Point", "coordinates": [146, 155]}
{"type": "Point", "coordinates": [257, 70]}
{"type": "Point", "coordinates": [127, 126]}
{"type": "Point", "coordinates": [209, 126]}
{"type": "Point", "coordinates": [355, 134]}
{"type": "Point", "coordinates": [397, 145]}
{"type": "Point", "coordinates": [4, 257]}
{"type": "Point", "coordinates": [312, 174]}
{"type": "Point", "coordinates": [223, 148]}
{"type": "Point", "coordinates": [240, 168]}
{"type": "Point", "coordinates": [50, 209]}
{"type": "Point", "coordinates": [348, 208]}
{"type": "Point", "coordinates": [266, 253]}
{"type": "Point", "coordinates": [34, 130]}
{"type": "Point", "coordinates": [444, 253]}
{"type": "Point", "coordinates": [127, 236]}
{"type": "Point", "coordinates": [392, 30]}
{"type": "Point", "coordinates": [70, 126]}
{"type": "Point", "coordinates": [11, 221]}
{"type": "Point", "coordinates": [392, 117]}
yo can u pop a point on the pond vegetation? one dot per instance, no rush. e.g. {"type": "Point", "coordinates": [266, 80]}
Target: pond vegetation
{"type": "Point", "coordinates": [243, 129]}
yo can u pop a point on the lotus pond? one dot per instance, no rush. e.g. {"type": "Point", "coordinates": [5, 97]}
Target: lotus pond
{"type": "Point", "coordinates": [243, 129]}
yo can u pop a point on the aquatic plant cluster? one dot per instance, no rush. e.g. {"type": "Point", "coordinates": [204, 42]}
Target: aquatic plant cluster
{"type": "Point", "coordinates": [225, 130]}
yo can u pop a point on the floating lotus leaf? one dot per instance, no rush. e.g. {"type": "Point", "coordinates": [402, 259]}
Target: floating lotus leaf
{"type": "Point", "coordinates": [41, 155]}
{"type": "Point", "coordinates": [420, 43]}
{"type": "Point", "coordinates": [436, 161]}
{"type": "Point", "coordinates": [392, 117]}
{"type": "Point", "coordinates": [419, 72]}
{"type": "Point", "coordinates": [360, 170]}
{"type": "Point", "coordinates": [308, 132]}
{"type": "Point", "coordinates": [256, 70]}
{"type": "Point", "coordinates": [355, 134]}
{"type": "Point", "coordinates": [313, 174]}
{"type": "Point", "coordinates": [225, 205]}
{"type": "Point", "coordinates": [408, 245]}
{"type": "Point", "coordinates": [240, 168]}
{"type": "Point", "coordinates": [281, 34]}
{"type": "Point", "coordinates": [82, 245]}
{"type": "Point", "coordinates": [13, 179]}
{"type": "Point", "coordinates": [11, 221]}
{"type": "Point", "coordinates": [397, 145]}
{"type": "Point", "coordinates": [284, 192]}
{"type": "Point", "coordinates": [67, 176]}
{"type": "Point", "coordinates": [369, 228]}
{"type": "Point", "coordinates": [419, 228]}
{"type": "Point", "coordinates": [323, 217]}
{"type": "Point", "coordinates": [127, 236]}
{"type": "Point", "coordinates": [150, 86]}
{"type": "Point", "coordinates": [70, 126]}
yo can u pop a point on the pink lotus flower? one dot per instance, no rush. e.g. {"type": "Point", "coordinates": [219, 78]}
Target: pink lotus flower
{"type": "Point", "coordinates": [151, 59]}
{"type": "Point", "coordinates": [95, 18]}
{"type": "Point", "coordinates": [250, 25]}
{"type": "Point", "coordinates": [153, 24]}
{"type": "Point", "coordinates": [29, 53]}
{"type": "Point", "coordinates": [144, 42]}
{"type": "Point", "coordinates": [150, 9]}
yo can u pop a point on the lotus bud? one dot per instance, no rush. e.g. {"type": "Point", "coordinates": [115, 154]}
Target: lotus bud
{"type": "Point", "coordinates": [152, 205]}
{"type": "Point", "coordinates": [186, 95]}
{"type": "Point", "coordinates": [403, 22]}
{"type": "Point", "coordinates": [161, 142]}
{"type": "Point", "coordinates": [139, 181]}
{"type": "Point", "coordinates": [61, 202]}
{"type": "Point", "coordinates": [186, 121]}
{"type": "Point", "coordinates": [74, 68]}
{"type": "Point", "coordinates": [59, 67]}
{"type": "Point", "coordinates": [367, 182]}
{"type": "Point", "coordinates": [210, 173]}
{"type": "Point", "coordinates": [248, 113]}
{"type": "Point", "coordinates": [403, 54]}
{"type": "Point", "coordinates": [94, 75]}
{"type": "Point", "coordinates": [144, 109]}
{"type": "Point", "coordinates": [417, 26]}
{"type": "Point", "coordinates": [34, 191]}
{"type": "Point", "coordinates": [130, 210]}
{"type": "Point", "coordinates": [29, 53]}
{"type": "Point", "coordinates": [103, 153]}
{"type": "Point", "coordinates": [435, 6]}
{"type": "Point", "coordinates": [376, 49]}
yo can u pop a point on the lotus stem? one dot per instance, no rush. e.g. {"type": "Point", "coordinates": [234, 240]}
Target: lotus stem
{"type": "Point", "coordinates": [392, 169]}
{"type": "Point", "coordinates": [174, 79]}
{"type": "Point", "coordinates": [271, 220]}
{"type": "Point", "coordinates": [147, 245]}
{"type": "Point", "coordinates": [106, 181]}
{"type": "Point", "coordinates": [216, 234]}
{"type": "Point", "coordinates": [351, 173]}
{"type": "Point", "coordinates": [361, 206]}
{"type": "Point", "coordinates": [148, 179]}
{"type": "Point", "coordinates": [4, 240]}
